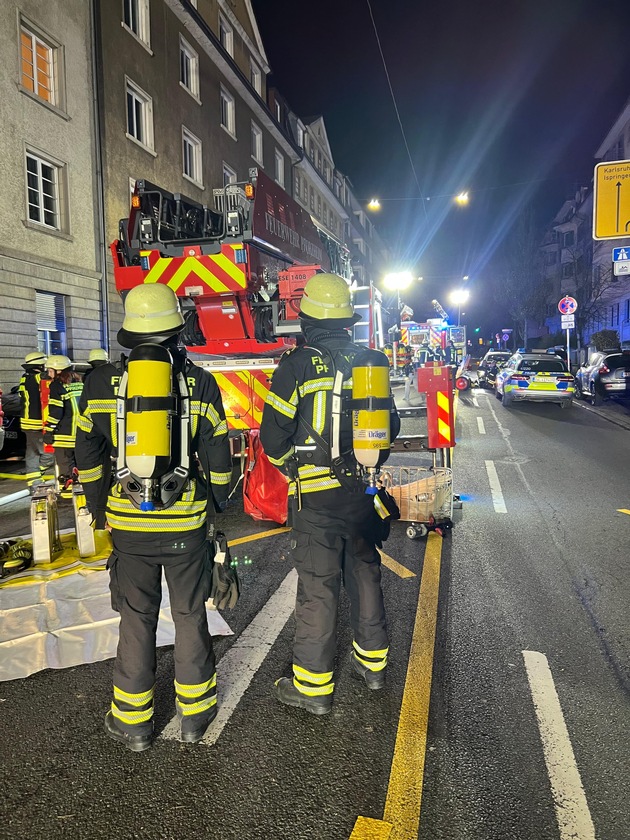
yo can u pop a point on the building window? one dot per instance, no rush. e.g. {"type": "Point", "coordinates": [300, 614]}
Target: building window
{"type": "Point", "coordinates": [614, 315]}
{"type": "Point", "coordinates": [568, 239]}
{"type": "Point", "coordinates": [188, 68]}
{"type": "Point", "coordinates": [226, 35]}
{"type": "Point", "coordinates": [279, 168]}
{"type": "Point", "coordinates": [227, 112]}
{"type": "Point", "coordinates": [319, 160]}
{"type": "Point", "coordinates": [626, 313]}
{"type": "Point", "coordinates": [300, 136]}
{"type": "Point", "coordinates": [43, 182]}
{"type": "Point", "coordinates": [37, 60]}
{"type": "Point", "coordinates": [567, 270]}
{"type": "Point", "coordinates": [192, 158]}
{"type": "Point", "coordinates": [278, 110]}
{"type": "Point", "coordinates": [139, 115]}
{"type": "Point", "coordinates": [326, 215]}
{"type": "Point", "coordinates": [50, 313]}
{"type": "Point", "coordinates": [311, 199]}
{"type": "Point", "coordinates": [136, 19]}
{"type": "Point", "coordinates": [255, 77]}
{"type": "Point", "coordinates": [229, 175]}
{"type": "Point", "coordinates": [257, 144]}
{"type": "Point", "coordinates": [297, 185]}
{"type": "Point", "coordinates": [319, 205]}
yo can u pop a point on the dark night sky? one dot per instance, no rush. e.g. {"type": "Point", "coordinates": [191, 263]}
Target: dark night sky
{"type": "Point", "coordinates": [507, 98]}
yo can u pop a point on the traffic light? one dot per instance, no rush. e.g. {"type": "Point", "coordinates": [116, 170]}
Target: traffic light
{"type": "Point", "coordinates": [477, 329]}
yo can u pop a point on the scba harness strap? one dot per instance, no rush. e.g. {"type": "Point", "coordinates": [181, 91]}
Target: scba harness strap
{"type": "Point", "coordinates": [343, 465]}
{"type": "Point", "coordinates": [167, 488]}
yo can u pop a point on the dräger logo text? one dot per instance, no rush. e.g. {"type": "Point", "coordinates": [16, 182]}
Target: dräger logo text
{"type": "Point", "coordinates": [379, 435]}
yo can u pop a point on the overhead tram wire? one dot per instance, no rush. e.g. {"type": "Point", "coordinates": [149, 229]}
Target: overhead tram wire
{"type": "Point", "coordinates": [402, 130]}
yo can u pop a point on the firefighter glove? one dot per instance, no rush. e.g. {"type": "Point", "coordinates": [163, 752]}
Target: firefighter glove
{"type": "Point", "coordinates": [225, 588]}
{"type": "Point", "coordinates": [49, 438]}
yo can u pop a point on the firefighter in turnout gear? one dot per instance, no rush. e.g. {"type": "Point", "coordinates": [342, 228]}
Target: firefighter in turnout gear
{"type": "Point", "coordinates": [60, 426]}
{"type": "Point", "coordinates": [335, 527]}
{"type": "Point", "coordinates": [156, 507]}
{"type": "Point", "coordinates": [96, 358]}
{"type": "Point", "coordinates": [38, 462]}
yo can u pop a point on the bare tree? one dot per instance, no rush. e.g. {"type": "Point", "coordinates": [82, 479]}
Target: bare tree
{"type": "Point", "coordinates": [518, 281]}
{"type": "Point", "coordinates": [589, 284]}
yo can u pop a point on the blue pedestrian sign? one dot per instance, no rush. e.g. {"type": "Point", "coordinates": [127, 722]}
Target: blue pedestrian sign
{"type": "Point", "coordinates": [505, 336]}
{"type": "Point", "coordinates": [621, 254]}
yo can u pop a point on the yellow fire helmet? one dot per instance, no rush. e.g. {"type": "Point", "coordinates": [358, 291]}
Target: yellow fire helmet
{"type": "Point", "coordinates": [151, 313]}
{"type": "Point", "coordinates": [36, 358]}
{"type": "Point", "coordinates": [58, 363]}
{"type": "Point", "coordinates": [327, 296]}
{"type": "Point", "coordinates": [98, 355]}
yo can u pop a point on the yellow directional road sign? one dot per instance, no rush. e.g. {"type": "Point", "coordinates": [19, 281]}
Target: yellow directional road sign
{"type": "Point", "coordinates": [611, 200]}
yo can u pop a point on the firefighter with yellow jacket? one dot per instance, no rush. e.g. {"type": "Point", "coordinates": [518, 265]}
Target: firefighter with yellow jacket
{"type": "Point", "coordinates": [157, 501]}
{"type": "Point", "coordinates": [307, 433]}
{"type": "Point", "coordinates": [38, 462]}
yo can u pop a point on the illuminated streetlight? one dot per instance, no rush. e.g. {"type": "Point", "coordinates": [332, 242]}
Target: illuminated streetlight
{"type": "Point", "coordinates": [462, 198]}
{"type": "Point", "coordinates": [374, 204]}
{"type": "Point", "coordinates": [459, 297]}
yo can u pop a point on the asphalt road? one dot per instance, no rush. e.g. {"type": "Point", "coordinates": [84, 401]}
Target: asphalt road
{"type": "Point", "coordinates": [529, 746]}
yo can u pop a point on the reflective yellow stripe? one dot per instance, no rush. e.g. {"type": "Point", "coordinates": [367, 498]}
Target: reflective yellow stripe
{"type": "Point", "coordinates": [310, 676]}
{"type": "Point", "coordinates": [187, 709]}
{"type": "Point", "coordinates": [320, 484]}
{"type": "Point", "coordinates": [319, 411]}
{"type": "Point", "coordinates": [140, 699]}
{"type": "Point", "coordinates": [281, 405]}
{"type": "Point", "coordinates": [370, 654]}
{"type": "Point", "coordinates": [84, 423]}
{"type": "Point", "coordinates": [220, 478]}
{"type": "Point", "coordinates": [165, 525]}
{"type": "Point", "coordinates": [279, 461]}
{"type": "Point", "coordinates": [132, 717]}
{"type": "Point", "coordinates": [93, 474]}
{"type": "Point", "coordinates": [311, 386]}
{"type": "Point", "coordinates": [315, 691]}
{"type": "Point", "coordinates": [220, 429]}
{"type": "Point", "coordinates": [195, 690]}
{"type": "Point", "coordinates": [53, 401]}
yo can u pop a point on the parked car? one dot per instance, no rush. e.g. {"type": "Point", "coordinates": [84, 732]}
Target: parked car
{"type": "Point", "coordinates": [606, 374]}
{"type": "Point", "coordinates": [14, 439]}
{"type": "Point", "coordinates": [536, 378]}
{"type": "Point", "coordinates": [488, 366]}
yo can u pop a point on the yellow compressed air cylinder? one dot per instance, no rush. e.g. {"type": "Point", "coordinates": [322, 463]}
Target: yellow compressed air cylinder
{"type": "Point", "coordinates": [148, 430]}
{"type": "Point", "coordinates": [370, 426]}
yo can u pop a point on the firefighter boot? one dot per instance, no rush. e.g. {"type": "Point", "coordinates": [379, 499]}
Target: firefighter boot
{"type": "Point", "coordinates": [287, 693]}
{"type": "Point", "coordinates": [373, 679]}
{"type": "Point", "coordinates": [192, 731]}
{"type": "Point", "coordinates": [136, 743]}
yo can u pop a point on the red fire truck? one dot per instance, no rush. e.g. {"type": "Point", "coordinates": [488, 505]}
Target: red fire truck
{"type": "Point", "coordinates": [239, 269]}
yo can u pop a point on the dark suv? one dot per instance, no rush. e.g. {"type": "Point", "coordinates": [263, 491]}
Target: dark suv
{"type": "Point", "coordinates": [604, 375]}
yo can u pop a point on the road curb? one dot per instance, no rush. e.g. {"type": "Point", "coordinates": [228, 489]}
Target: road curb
{"type": "Point", "coordinates": [624, 424]}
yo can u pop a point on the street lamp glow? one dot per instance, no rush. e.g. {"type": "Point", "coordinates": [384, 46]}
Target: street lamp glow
{"type": "Point", "coordinates": [462, 198]}
{"type": "Point", "coordinates": [398, 281]}
{"type": "Point", "coordinates": [374, 204]}
{"type": "Point", "coordinates": [459, 297]}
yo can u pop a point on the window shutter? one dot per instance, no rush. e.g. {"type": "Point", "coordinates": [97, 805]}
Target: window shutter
{"type": "Point", "coordinates": [51, 312]}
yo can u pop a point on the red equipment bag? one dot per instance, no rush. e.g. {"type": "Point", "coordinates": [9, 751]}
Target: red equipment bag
{"type": "Point", "coordinates": [264, 487]}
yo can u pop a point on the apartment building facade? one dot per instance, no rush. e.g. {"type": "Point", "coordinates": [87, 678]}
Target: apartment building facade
{"type": "Point", "coordinates": [101, 93]}
{"type": "Point", "coordinates": [51, 256]}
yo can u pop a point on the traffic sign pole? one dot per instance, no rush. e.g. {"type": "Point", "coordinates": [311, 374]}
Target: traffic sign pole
{"type": "Point", "coordinates": [567, 307]}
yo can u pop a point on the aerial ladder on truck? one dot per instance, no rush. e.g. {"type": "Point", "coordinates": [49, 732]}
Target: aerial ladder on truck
{"type": "Point", "coordinates": [239, 269]}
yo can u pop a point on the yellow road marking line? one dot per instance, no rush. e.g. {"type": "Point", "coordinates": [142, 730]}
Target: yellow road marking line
{"type": "Point", "coordinates": [12, 475]}
{"type": "Point", "coordinates": [395, 566]}
{"type": "Point", "coordinates": [623, 510]}
{"type": "Point", "coordinates": [367, 829]}
{"type": "Point", "coordinates": [260, 536]}
{"type": "Point", "coordinates": [404, 793]}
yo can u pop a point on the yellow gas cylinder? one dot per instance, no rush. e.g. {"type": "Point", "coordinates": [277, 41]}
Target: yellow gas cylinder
{"type": "Point", "coordinates": [148, 426]}
{"type": "Point", "coordinates": [371, 403]}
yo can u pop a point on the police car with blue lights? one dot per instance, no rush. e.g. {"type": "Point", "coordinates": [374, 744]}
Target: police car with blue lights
{"type": "Point", "coordinates": [536, 377]}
